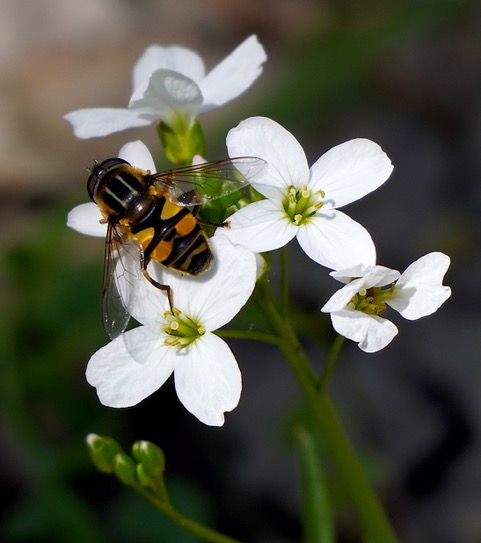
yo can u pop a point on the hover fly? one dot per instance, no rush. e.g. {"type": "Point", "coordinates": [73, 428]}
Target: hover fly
{"type": "Point", "coordinates": [153, 216]}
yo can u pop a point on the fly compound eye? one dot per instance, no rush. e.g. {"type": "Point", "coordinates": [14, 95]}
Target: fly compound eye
{"type": "Point", "coordinates": [99, 171]}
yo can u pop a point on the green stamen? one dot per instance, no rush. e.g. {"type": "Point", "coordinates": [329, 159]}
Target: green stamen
{"type": "Point", "coordinates": [182, 330]}
{"type": "Point", "coordinates": [372, 300]}
{"type": "Point", "coordinates": [301, 204]}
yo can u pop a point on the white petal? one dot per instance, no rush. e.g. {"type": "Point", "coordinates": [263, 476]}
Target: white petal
{"type": "Point", "coordinates": [262, 226]}
{"type": "Point", "coordinates": [234, 74]}
{"type": "Point", "coordinates": [175, 58]}
{"type": "Point", "coordinates": [420, 292]}
{"type": "Point", "coordinates": [215, 296]}
{"type": "Point", "coordinates": [165, 95]}
{"type": "Point", "coordinates": [334, 240]}
{"type": "Point", "coordinates": [131, 367]}
{"type": "Point", "coordinates": [85, 218]}
{"type": "Point", "coordinates": [145, 302]}
{"type": "Point", "coordinates": [97, 122]}
{"type": "Point", "coordinates": [203, 297]}
{"type": "Point", "coordinates": [137, 154]}
{"type": "Point", "coordinates": [369, 276]}
{"type": "Point", "coordinates": [349, 171]}
{"type": "Point", "coordinates": [372, 333]}
{"type": "Point", "coordinates": [343, 296]}
{"type": "Point", "coordinates": [374, 276]}
{"type": "Point", "coordinates": [208, 380]}
{"type": "Point", "coordinates": [266, 139]}
{"type": "Point", "coordinates": [232, 277]}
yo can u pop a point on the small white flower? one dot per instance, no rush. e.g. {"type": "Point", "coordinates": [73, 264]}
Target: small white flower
{"type": "Point", "coordinates": [85, 218]}
{"type": "Point", "coordinates": [356, 307]}
{"type": "Point", "coordinates": [207, 377]}
{"type": "Point", "coordinates": [170, 85]}
{"type": "Point", "coordinates": [302, 202]}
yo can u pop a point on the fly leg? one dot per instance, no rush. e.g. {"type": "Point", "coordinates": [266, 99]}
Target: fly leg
{"type": "Point", "coordinates": [225, 224]}
{"type": "Point", "coordinates": [166, 288]}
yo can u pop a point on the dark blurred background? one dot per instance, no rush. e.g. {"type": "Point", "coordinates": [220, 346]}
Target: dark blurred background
{"type": "Point", "coordinates": [406, 74]}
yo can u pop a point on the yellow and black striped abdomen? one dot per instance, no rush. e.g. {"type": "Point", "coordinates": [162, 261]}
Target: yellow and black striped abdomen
{"type": "Point", "coordinates": [170, 235]}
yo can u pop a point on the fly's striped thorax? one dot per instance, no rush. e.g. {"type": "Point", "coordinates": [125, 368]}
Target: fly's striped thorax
{"type": "Point", "coordinates": [118, 188]}
{"type": "Point", "coordinates": [120, 192]}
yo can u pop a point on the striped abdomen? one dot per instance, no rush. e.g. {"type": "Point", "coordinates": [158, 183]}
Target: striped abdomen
{"type": "Point", "coordinates": [170, 235]}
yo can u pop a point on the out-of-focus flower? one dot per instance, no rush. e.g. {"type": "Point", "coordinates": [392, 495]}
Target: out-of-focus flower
{"type": "Point", "coordinates": [170, 85]}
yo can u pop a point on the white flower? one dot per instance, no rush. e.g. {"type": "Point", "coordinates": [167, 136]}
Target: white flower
{"type": "Point", "coordinates": [170, 85]}
{"type": "Point", "coordinates": [85, 218]}
{"type": "Point", "coordinates": [356, 307]}
{"type": "Point", "coordinates": [207, 377]}
{"type": "Point", "coordinates": [303, 202]}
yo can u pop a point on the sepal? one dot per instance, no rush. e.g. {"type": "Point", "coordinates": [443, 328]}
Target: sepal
{"type": "Point", "coordinates": [181, 142]}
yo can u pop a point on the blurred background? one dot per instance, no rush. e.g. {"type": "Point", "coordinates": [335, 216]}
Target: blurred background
{"type": "Point", "coordinates": [406, 74]}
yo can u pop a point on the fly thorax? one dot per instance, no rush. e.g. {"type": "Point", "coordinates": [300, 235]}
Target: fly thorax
{"type": "Point", "coordinates": [372, 300]}
{"type": "Point", "coordinates": [139, 207]}
{"type": "Point", "coordinates": [181, 330]}
{"type": "Point", "coordinates": [302, 204]}
{"type": "Point", "coordinates": [123, 194]}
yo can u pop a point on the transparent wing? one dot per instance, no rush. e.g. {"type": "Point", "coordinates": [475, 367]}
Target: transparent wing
{"type": "Point", "coordinates": [121, 275]}
{"type": "Point", "coordinates": [202, 183]}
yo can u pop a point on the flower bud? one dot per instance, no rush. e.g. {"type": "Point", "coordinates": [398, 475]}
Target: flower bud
{"type": "Point", "coordinates": [124, 468]}
{"type": "Point", "coordinates": [102, 451]}
{"type": "Point", "coordinates": [150, 457]}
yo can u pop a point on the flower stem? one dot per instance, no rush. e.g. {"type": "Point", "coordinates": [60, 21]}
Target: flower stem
{"type": "Point", "coordinates": [331, 361]}
{"type": "Point", "coordinates": [248, 334]}
{"type": "Point", "coordinates": [188, 524]}
{"type": "Point", "coordinates": [284, 294]}
{"type": "Point", "coordinates": [373, 519]}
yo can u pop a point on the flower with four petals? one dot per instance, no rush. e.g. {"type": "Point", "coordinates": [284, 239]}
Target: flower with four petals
{"type": "Point", "coordinates": [303, 202]}
{"type": "Point", "coordinates": [356, 308]}
{"type": "Point", "coordinates": [207, 378]}
{"type": "Point", "coordinates": [170, 85]}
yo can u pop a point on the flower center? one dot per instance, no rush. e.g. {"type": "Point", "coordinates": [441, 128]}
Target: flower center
{"type": "Point", "coordinates": [301, 204]}
{"type": "Point", "coordinates": [372, 300]}
{"type": "Point", "coordinates": [181, 329]}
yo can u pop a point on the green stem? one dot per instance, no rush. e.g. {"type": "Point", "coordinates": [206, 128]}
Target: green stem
{"type": "Point", "coordinates": [248, 334]}
{"type": "Point", "coordinates": [201, 531]}
{"type": "Point", "coordinates": [373, 519]}
{"type": "Point", "coordinates": [284, 282]}
{"type": "Point", "coordinates": [331, 361]}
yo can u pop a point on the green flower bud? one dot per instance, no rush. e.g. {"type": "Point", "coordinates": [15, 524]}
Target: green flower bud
{"type": "Point", "coordinates": [142, 477]}
{"type": "Point", "coordinates": [150, 457]}
{"type": "Point", "coordinates": [102, 451]}
{"type": "Point", "coordinates": [125, 469]}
